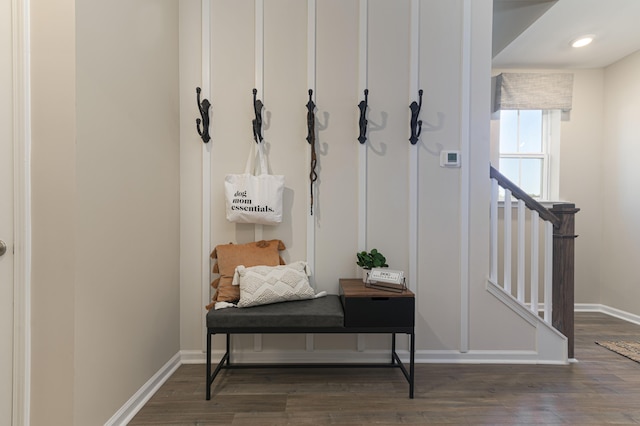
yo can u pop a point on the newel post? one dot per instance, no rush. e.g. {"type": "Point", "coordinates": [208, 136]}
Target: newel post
{"type": "Point", "coordinates": [563, 271]}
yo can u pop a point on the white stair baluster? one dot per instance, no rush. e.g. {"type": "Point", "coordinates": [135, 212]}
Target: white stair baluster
{"type": "Point", "coordinates": [493, 270]}
{"type": "Point", "coordinates": [548, 271]}
{"type": "Point", "coordinates": [507, 241]}
{"type": "Point", "coordinates": [535, 264]}
{"type": "Point", "coordinates": [520, 246]}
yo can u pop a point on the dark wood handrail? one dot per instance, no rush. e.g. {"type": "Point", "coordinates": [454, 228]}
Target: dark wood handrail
{"type": "Point", "coordinates": [532, 204]}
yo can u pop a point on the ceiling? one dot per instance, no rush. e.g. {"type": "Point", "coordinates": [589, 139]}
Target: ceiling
{"type": "Point", "coordinates": [537, 33]}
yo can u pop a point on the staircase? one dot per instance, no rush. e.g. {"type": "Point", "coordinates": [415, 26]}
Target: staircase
{"type": "Point", "coordinates": [532, 269]}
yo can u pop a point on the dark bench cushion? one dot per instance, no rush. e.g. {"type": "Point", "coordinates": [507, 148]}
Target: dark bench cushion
{"type": "Point", "coordinates": [324, 312]}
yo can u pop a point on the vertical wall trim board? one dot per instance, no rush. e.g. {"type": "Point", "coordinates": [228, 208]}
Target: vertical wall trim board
{"type": "Point", "coordinates": [361, 343]}
{"type": "Point", "coordinates": [363, 83]}
{"type": "Point", "coordinates": [311, 219]}
{"type": "Point", "coordinates": [22, 213]}
{"type": "Point", "coordinates": [206, 165]}
{"type": "Point", "coordinates": [259, 79]}
{"type": "Point", "coordinates": [311, 84]}
{"type": "Point", "coordinates": [259, 48]}
{"type": "Point", "coordinates": [362, 152]}
{"type": "Point", "coordinates": [414, 86]}
{"type": "Point", "coordinates": [259, 83]}
{"type": "Point", "coordinates": [309, 342]}
{"type": "Point", "coordinates": [257, 342]}
{"type": "Point", "coordinates": [311, 44]}
{"type": "Point", "coordinates": [465, 202]}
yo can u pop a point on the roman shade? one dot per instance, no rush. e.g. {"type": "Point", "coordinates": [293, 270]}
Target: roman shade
{"type": "Point", "coordinates": [533, 91]}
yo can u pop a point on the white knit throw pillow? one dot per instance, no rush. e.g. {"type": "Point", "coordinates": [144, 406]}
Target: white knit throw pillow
{"type": "Point", "coordinates": [261, 285]}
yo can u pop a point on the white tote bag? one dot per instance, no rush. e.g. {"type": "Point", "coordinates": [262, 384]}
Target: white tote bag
{"type": "Point", "coordinates": [254, 196]}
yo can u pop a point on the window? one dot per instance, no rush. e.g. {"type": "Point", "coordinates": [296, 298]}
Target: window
{"type": "Point", "coordinates": [528, 146]}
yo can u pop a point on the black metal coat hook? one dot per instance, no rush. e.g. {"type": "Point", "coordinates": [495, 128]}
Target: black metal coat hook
{"type": "Point", "coordinates": [311, 119]}
{"type": "Point", "coordinates": [363, 120]}
{"type": "Point", "coordinates": [203, 107]}
{"type": "Point", "coordinates": [257, 122]}
{"type": "Point", "coordinates": [416, 125]}
{"type": "Point", "coordinates": [311, 139]}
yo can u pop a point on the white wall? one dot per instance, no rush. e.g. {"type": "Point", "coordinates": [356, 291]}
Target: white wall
{"type": "Point", "coordinates": [449, 272]}
{"type": "Point", "coordinates": [127, 169]}
{"type": "Point", "coordinates": [621, 150]}
{"type": "Point", "coordinates": [581, 179]}
{"type": "Point", "coordinates": [105, 204]}
{"type": "Point", "coordinates": [53, 177]}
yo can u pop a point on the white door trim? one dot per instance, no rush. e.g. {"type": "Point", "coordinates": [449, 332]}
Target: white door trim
{"type": "Point", "coordinates": [22, 213]}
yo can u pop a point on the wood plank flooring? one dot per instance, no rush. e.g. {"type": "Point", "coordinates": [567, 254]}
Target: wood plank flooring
{"type": "Point", "coordinates": [602, 388]}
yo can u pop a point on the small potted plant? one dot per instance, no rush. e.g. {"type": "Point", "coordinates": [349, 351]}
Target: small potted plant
{"type": "Point", "coordinates": [372, 259]}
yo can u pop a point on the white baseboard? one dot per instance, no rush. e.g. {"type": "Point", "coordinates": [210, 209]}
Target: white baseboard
{"type": "Point", "coordinates": [617, 313]}
{"type": "Point", "coordinates": [195, 356]}
{"type": "Point", "coordinates": [377, 356]}
{"type": "Point", "coordinates": [481, 357]}
{"type": "Point", "coordinates": [124, 415]}
{"type": "Point", "coordinates": [298, 357]}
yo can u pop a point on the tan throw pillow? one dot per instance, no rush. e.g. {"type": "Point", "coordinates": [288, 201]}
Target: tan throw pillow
{"type": "Point", "coordinates": [229, 256]}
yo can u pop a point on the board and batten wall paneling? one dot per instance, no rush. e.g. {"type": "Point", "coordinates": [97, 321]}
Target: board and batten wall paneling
{"type": "Point", "coordinates": [285, 96]}
{"type": "Point", "coordinates": [336, 201]}
{"type": "Point", "coordinates": [234, 72]}
{"type": "Point", "coordinates": [336, 207]}
{"type": "Point", "coordinates": [232, 29]}
{"type": "Point", "coordinates": [450, 104]}
{"type": "Point", "coordinates": [388, 145]}
{"type": "Point", "coordinates": [232, 82]}
{"type": "Point", "coordinates": [439, 208]}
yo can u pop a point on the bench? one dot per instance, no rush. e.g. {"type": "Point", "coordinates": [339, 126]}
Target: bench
{"type": "Point", "coordinates": [322, 315]}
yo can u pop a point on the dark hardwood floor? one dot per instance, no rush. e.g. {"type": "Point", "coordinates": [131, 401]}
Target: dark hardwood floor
{"type": "Point", "coordinates": [602, 388]}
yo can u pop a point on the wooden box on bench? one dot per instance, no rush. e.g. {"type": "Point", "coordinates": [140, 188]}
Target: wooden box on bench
{"type": "Point", "coordinates": [370, 307]}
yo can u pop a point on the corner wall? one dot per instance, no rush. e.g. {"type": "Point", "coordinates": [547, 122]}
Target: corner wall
{"type": "Point", "coordinates": [621, 150]}
{"type": "Point", "coordinates": [581, 179]}
{"type": "Point", "coordinates": [105, 203]}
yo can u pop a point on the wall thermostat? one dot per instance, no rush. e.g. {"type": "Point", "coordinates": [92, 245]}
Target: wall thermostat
{"type": "Point", "coordinates": [450, 158]}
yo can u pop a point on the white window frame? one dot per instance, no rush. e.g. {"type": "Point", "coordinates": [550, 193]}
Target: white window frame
{"type": "Point", "coordinates": [550, 155]}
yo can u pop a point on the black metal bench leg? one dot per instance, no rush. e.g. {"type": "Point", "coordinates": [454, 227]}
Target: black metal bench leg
{"type": "Point", "coordinates": [224, 362]}
{"type": "Point", "coordinates": [412, 364]}
{"type": "Point", "coordinates": [393, 347]}
{"type": "Point", "coordinates": [208, 392]}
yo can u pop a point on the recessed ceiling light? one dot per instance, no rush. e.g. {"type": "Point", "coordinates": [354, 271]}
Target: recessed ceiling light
{"type": "Point", "coordinates": [582, 41]}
